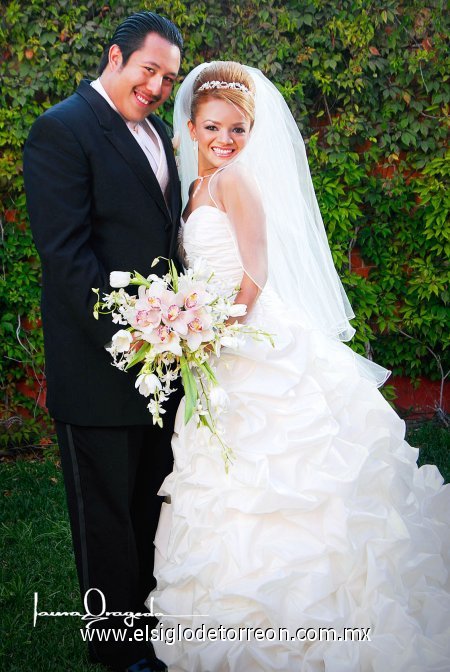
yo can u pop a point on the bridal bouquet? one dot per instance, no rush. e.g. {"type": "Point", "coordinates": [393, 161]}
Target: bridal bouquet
{"type": "Point", "coordinates": [171, 327]}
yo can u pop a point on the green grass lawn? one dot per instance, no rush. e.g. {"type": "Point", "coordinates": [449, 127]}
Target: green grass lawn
{"type": "Point", "coordinates": [36, 556]}
{"type": "Point", "coordinates": [434, 443]}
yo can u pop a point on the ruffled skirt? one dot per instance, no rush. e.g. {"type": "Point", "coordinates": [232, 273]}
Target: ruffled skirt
{"type": "Point", "coordinates": [323, 521]}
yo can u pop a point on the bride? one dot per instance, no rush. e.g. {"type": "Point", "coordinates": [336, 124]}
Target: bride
{"type": "Point", "coordinates": [323, 523]}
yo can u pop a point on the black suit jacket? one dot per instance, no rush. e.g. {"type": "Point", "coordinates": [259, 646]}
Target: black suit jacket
{"type": "Point", "coordinates": [95, 206]}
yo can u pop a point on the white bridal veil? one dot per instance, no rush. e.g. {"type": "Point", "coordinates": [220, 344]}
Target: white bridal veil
{"type": "Point", "coordinates": [301, 268]}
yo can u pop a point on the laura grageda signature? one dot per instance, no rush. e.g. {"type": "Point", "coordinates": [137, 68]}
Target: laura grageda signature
{"type": "Point", "coordinates": [89, 617]}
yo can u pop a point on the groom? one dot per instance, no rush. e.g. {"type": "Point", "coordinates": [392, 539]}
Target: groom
{"type": "Point", "coordinates": [103, 194]}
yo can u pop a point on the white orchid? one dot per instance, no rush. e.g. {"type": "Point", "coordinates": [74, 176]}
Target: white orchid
{"type": "Point", "coordinates": [229, 342]}
{"type": "Point", "coordinates": [117, 318]}
{"type": "Point", "coordinates": [219, 399]}
{"type": "Point", "coordinates": [165, 339]}
{"type": "Point", "coordinates": [201, 269]}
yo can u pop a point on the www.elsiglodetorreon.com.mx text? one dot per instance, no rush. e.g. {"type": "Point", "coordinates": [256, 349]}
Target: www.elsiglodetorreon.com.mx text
{"type": "Point", "coordinates": [179, 633]}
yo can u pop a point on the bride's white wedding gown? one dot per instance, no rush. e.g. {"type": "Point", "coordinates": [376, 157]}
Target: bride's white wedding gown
{"type": "Point", "coordinates": [323, 521]}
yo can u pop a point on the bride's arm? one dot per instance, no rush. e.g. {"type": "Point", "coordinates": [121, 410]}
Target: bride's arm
{"type": "Point", "coordinates": [247, 294]}
{"type": "Point", "coordinates": [241, 201]}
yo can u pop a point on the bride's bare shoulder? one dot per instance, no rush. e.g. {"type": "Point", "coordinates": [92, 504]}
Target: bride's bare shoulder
{"type": "Point", "coordinates": [236, 179]}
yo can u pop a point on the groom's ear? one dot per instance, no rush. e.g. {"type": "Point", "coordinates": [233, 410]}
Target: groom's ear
{"type": "Point", "coordinates": [115, 57]}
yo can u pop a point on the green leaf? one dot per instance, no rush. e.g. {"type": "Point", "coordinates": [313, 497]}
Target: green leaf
{"type": "Point", "coordinates": [139, 356]}
{"type": "Point", "coordinates": [209, 372]}
{"type": "Point", "coordinates": [174, 274]}
{"type": "Point", "coordinates": [139, 279]}
{"type": "Point", "coordinates": [190, 389]}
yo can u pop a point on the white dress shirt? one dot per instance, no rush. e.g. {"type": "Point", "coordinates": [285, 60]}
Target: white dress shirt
{"type": "Point", "coordinates": [147, 138]}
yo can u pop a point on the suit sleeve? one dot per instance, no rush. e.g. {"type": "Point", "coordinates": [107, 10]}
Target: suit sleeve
{"type": "Point", "coordinates": [58, 188]}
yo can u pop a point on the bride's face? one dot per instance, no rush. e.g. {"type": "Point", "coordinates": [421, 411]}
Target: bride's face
{"type": "Point", "coordinates": [222, 131]}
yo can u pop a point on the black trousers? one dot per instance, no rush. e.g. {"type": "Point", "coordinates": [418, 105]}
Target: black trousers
{"type": "Point", "coordinates": [112, 475]}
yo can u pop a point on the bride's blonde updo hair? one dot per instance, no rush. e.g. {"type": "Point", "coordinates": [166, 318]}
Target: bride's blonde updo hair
{"type": "Point", "coordinates": [225, 72]}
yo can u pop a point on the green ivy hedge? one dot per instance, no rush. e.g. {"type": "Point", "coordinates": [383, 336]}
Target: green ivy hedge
{"type": "Point", "coordinates": [367, 81]}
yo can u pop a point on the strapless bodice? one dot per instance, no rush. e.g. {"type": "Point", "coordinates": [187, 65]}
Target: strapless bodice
{"type": "Point", "coordinates": [207, 234]}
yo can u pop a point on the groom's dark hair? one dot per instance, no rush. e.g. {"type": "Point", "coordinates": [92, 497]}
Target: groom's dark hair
{"type": "Point", "coordinates": [131, 33]}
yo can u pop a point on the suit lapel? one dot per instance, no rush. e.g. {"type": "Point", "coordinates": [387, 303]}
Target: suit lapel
{"type": "Point", "coordinates": [117, 133]}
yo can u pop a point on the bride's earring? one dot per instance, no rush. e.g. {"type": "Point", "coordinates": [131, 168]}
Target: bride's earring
{"type": "Point", "coordinates": [195, 143]}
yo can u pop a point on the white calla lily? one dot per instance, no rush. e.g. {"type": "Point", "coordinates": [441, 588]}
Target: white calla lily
{"type": "Point", "coordinates": [237, 310]}
{"type": "Point", "coordinates": [122, 341]}
{"type": "Point", "coordinates": [119, 279]}
{"type": "Point", "coordinates": [147, 384]}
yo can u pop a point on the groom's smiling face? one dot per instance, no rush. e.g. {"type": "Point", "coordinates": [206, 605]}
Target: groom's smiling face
{"type": "Point", "coordinates": [145, 81]}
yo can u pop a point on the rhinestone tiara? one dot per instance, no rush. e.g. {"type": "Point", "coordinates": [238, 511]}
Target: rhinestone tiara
{"type": "Point", "coordinates": [214, 84]}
